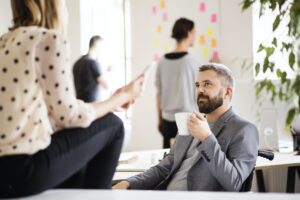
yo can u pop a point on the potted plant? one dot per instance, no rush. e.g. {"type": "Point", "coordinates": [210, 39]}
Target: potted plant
{"type": "Point", "coordinates": [288, 89]}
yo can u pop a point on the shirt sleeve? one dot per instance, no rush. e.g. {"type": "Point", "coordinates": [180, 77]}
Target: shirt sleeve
{"type": "Point", "coordinates": [54, 75]}
{"type": "Point", "coordinates": [96, 68]}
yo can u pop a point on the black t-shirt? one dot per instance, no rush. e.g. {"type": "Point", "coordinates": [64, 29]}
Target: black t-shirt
{"type": "Point", "coordinates": [86, 70]}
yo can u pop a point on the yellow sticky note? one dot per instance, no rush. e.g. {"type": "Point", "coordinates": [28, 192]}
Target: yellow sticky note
{"type": "Point", "coordinates": [202, 39]}
{"type": "Point", "coordinates": [162, 4]}
{"type": "Point", "coordinates": [158, 29]}
{"type": "Point", "coordinates": [155, 42]}
{"type": "Point", "coordinates": [205, 52]}
{"type": "Point", "coordinates": [209, 32]}
{"type": "Point", "coordinates": [213, 42]}
{"type": "Point", "coordinates": [166, 48]}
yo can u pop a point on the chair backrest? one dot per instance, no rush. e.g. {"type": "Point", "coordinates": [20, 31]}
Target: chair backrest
{"type": "Point", "coordinates": [246, 187]}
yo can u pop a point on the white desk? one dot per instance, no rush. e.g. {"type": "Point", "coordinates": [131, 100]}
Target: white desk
{"type": "Point", "coordinates": [157, 195]}
{"type": "Point", "coordinates": [280, 160]}
{"type": "Point", "coordinates": [147, 159]}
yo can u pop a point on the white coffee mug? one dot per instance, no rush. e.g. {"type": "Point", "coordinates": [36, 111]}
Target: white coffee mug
{"type": "Point", "coordinates": [182, 121]}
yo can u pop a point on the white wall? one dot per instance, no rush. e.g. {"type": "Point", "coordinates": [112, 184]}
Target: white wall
{"type": "Point", "coordinates": [74, 31]}
{"type": "Point", "coordinates": [5, 16]}
{"type": "Point", "coordinates": [235, 46]}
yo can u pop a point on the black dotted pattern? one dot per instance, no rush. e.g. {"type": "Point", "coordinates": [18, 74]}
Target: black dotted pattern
{"type": "Point", "coordinates": [39, 64]}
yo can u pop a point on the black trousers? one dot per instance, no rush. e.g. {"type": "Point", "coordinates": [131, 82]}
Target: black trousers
{"type": "Point", "coordinates": [169, 130]}
{"type": "Point", "coordinates": [96, 149]}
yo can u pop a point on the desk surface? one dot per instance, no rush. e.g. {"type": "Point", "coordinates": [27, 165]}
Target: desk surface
{"type": "Point", "coordinates": [147, 159]}
{"type": "Point", "coordinates": [280, 160]}
{"type": "Point", "coordinates": [157, 195]}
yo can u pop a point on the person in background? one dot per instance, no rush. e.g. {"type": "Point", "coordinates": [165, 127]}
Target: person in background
{"type": "Point", "coordinates": [221, 150]}
{"type": "Point", "coordinates": [175, 76]}
{"type": "Point", "coordinates": [88, 75]}
{"type": "Point", "coordinates": [46, 134]}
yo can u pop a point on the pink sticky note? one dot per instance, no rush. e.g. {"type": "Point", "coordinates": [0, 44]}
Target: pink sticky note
{"type": "Point", "coordinates": [154, 10]}
{"type": "Point", "coordinates": [213, 18]}
{"type": "Point", "coordinates": [215, 55]}
{"type": "Point", "coordinates": [156, 57]}
{"type": "Point", "coordinates": [202, 7]}
{"type": "Point", "coordinates": [165, 17]}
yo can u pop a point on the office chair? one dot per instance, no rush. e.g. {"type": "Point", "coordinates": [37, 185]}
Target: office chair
{"type": "Point", "coordinates": [246, 187]}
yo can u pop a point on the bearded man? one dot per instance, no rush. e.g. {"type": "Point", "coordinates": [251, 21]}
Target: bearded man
{"type": "Point", "coordinates": [221, 150]}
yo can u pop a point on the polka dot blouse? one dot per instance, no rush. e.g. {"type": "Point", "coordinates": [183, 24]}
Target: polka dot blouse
{"type": "Point", "coordinates": [36, 90]}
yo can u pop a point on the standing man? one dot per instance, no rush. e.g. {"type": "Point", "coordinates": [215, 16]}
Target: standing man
{"type": "Point", "coordinates": [221, 151]}
{"type": "Point", "coordinates": [88, 74]}
{"type": "Point", "coordinates": [175, 76]}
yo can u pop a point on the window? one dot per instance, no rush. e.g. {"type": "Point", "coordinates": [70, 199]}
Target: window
{"type": "Point", "coordinates": [262, 32]}
{"type": "Point", "coordinates": [106, 18]}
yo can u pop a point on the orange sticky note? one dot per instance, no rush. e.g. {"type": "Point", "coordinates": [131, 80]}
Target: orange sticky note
{"type": "Point", "coordinates": [202, 39]}
{"type": "Point", "coordinates": [162, 4]}
{"type": "Point", "coordinates": [158, 29]}
{"type": "Point", "coordinates": [213, 42]}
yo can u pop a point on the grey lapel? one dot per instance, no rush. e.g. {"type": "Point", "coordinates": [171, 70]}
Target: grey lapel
{"type": "Point", "coordinates": [185, 143]}
{"type": "Point", "coordinates": [220, 123]}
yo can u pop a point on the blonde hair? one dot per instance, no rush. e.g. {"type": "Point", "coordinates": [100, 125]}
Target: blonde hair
{"type": "Point", "coordinates": [42, 13]}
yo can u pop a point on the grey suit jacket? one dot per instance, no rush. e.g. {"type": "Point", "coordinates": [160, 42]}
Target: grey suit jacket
{"type": "Point", "coordinates": [227, 158]}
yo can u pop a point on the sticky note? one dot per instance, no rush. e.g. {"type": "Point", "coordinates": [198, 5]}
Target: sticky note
{"type": "Point", "coordinates": [202, 7]}
{"type": "Point", "coordinates": [213, 18]}
{"type": "Point", "coordinates": [205, 52]}
{"type": "Point", "coordinates": [162, 4]}
{"type": "Point", "coordinates": [158, 29]}
{"type": "Point", "coordinates": [154, 10]}
{"type": "Point", "coordinates": [213, 42]}
{"type": "Point", "coordinates": [166, 48]}
{"type": "Point", "coordinates": [155, 43]}
{"type": "Point", "coordinates": [156, 57]}
{"type": "Point", "coordinates": [202, 39]}
{"type": "Point", "coordinates": [209, 32]}
{"type": "Point", "coordinates": [165, 17]}
{"type": "Point", "coordinates": [215, 55]}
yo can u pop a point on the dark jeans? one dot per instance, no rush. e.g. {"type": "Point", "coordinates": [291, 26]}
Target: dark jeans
{"type": "Point", "coordinates": [169, 130]}
{"type": "Point", "coordinates": [96, 149]}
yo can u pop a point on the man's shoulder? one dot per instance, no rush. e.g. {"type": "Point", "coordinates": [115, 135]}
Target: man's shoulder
{"type": "Point", "coordinates": [240, 124]}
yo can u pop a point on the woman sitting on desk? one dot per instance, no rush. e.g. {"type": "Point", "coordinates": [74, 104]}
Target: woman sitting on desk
{"type": "Point", "coordinates": [47, 135]}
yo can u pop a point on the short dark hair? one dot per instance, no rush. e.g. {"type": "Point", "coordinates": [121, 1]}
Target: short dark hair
{"type": "Point", "coordinates": [181, 28]}
{"type": "Point", "coordinates": [93, 40]}
{"type": "Point", "coordinates": [222, 71]}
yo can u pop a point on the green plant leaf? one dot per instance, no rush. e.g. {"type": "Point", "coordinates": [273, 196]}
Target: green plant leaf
{"type": "Point", "coordinates": [278, 73]}
{"type": "Point", "coordinates": [290, 117]}
{"type": "Point", "coordinates": [266, 65]}
{"type": "Point", "coordinates": [260, 48]}
{"type": "Point", "coordinates": [276, 22]}
{"type": "Point", "coordinates": [292, 60]}
{"type": "Point", "coordinates": [272, 5]}
{"type": "Point", "coordinates": [247, 4]}
{"type": "Point", "coordinates": [280, 3]}
{"type": "Point", "coordinates": [257, 69]}
{"type": "Point", "coordinates": [274, 42]}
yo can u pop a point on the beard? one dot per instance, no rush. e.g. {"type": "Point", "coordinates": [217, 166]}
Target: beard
{"type": "Point", "coordinates": [210, 104]}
